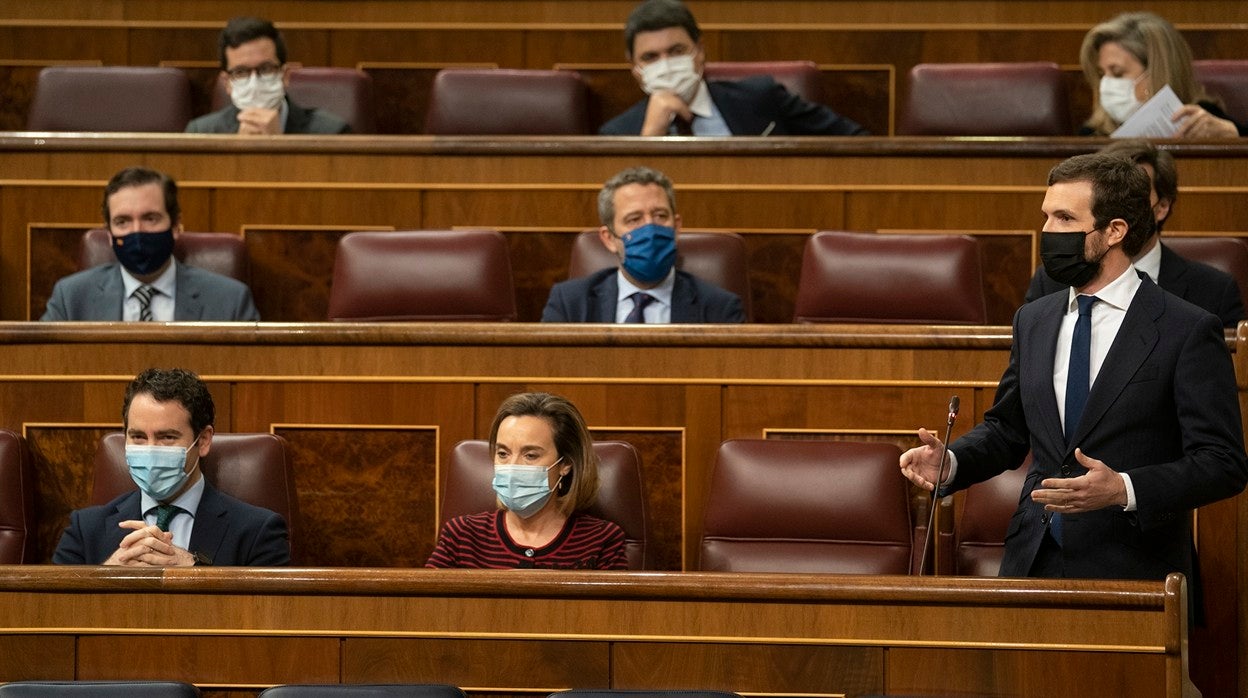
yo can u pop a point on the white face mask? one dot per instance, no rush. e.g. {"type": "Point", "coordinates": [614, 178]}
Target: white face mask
{"type": "Point", "coordinates": [675, 74]}
{"type": "Point", "coordinates": [257, 92]}
{"type": "Point", "coordinates": [1118, 97]}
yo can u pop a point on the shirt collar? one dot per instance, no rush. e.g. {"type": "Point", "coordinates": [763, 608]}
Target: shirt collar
{"type": "Point", "coordinates": [702, 104]}
{"type": "Point", "coordinates": [661, 293]}
{"type": "Point", "coordinates": [166, 283]}
{"type": "Point", "coordinates": [1150, 262]}
{"type": "Point", "coordinates": [1117, 293]}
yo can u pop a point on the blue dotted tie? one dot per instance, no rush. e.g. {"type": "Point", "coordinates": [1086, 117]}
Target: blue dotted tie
{"type": "Point", "coordinates": [640, 301]}
{"type": "Point", "coordinates": [1077, 384]}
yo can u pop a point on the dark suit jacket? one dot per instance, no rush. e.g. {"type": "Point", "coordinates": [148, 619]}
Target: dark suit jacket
{"type": "Point", "coordinates": [1199, 284]}
{"type": "Point", "coordinates": [749, 106]}
{"type": "Point", "coordinates": [96, 294]}
{"type": "Point", "coordinates": [298, 120]}
{"type": "Point", "coordinates": [226, 530]}
{"type": "Point", "coordinates": [593, 298]}
{"type": "Point", "coordinates": [1163, 409]}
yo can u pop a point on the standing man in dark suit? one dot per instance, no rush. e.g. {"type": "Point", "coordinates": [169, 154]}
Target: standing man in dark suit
{"type": "Point", "coordinates": [1194, 282]}
{"type": "Point", "coordinates": [142, 214]}
{"type": "Point", "coordinates": [1124, 393]}
{"type": "Point", "coordinates": [175, 518]}
{"type": "Point", "coordinates": [637, 208]}
{"type": "Point", "coordinates": [663, 43]}
{"type": "Point", "coordinates": [253, 59]}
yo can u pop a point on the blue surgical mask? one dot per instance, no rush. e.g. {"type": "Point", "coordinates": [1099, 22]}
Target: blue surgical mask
{"type": "Point", "coordinates": [160, 471]}
{"type": "Point", "coordinates": [523, 489]}
{"type": "Point", "coordinates": [143, 253]}
{"type": "Point", "coordinates": [650, 252]}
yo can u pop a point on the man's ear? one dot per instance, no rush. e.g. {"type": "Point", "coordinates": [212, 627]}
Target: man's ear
{"type": "Point", "coordinates": [205, 441]}
{"type": "Point", "coordinates": [608, 240]}
{"type": "Point", "coordinates": [1116, 231]}
{"type": "Point", "coordinates": [1162, 210]}
{"type": "Point", "coordinates": [177, 230]}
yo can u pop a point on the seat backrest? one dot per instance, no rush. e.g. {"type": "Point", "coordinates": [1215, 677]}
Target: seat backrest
{"type": "Point", "coordinates": [979, 536]}
{"type": "Point", "coordinates": [223, 253]}
{"type": "Point", "coordinates": [780, 505]}
{"type": "Point", "coordinates": [1227, 79]}
{"type": "Point", "coordinates": [17, 500]}
{"type": "Point", "coordinates": [347, 93]}
{"type": "Point", "coordinates": [250, 467]}
{"type": "Point", "coordinates": [111, 98]}
{"type": "Point", "coordinates": [1224, 254]}
{"type": "Point", "coordinates": [719, 258]}
{"type": "Point", "coordinates": [621, 496]}
{"type": "Point", "coordinates": [907, 279]}
{"type": "Point", "coordinates": [802, 78]}
{"type": "Point", "coordinates": [412, 690]}
{"type": "Point", "coordinates": [986, 99]}
{"type": "Point", "coordinates": [494, 101]}
{"type": "Point", "coordinates": [446, 275]}
{"type": "Point", "coordinates": [98, 689]}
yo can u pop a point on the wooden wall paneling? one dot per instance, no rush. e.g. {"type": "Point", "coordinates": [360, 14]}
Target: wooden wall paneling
{"type": "Point", "coordinates": [64, 41]}
{"type": "Point", "coordinates": [210, 659]}
{"type": "Point", "coordinates": [175, 41]}
{"type": "Point", "coordinates": [612, 89]}
{"type": "Point", "coordinates": [663, 454]}
{"type": "Point", "coordinates": [494, 666]}
{"type": "Point", "coordinates": [37, 657]}
{"type": "Point", "coordinates": [1014, 673]}
{"type": "Point", "coordinates": [53, 255]}
{"type": "Point", "coordinates": [503, 205]}
{"type": "Point", "coordinates": [865, 93]}
{"type": "Point", "coordinates": [428, 43]}
{"type": "Point", "coordinates": [1214, 641]}
{"type": "Point", "coordinates": [63, 456]}
{"type": "Point", "coordinates": [540, 258]}
{"type": "Point", "coordinates": [401, 92]}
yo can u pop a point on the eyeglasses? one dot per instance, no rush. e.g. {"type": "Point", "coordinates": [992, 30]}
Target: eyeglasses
{"type": "Point", "coordinates": [264, 70]}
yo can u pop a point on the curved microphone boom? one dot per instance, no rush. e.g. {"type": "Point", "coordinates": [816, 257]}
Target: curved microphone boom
{"type": "Point", "coordinates": [954, 405]}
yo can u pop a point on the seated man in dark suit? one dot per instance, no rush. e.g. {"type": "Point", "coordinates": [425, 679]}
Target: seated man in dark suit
{"type": "Point", "coordinates": [253, 58]}
{"type": "Point", "coordinates": [1194, 282]}
{"type": "Point", "coordinates": [637, 208]}
{"type": "Point", "coordinates": [141, 212]}
{"type": "Point", "coordinates": [662, 42]}
{"type": "Point", "coordinates": [175, 518]}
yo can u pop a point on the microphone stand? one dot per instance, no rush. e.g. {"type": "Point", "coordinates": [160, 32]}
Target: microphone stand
{"type": "Point", "coordinates": [954, 405]}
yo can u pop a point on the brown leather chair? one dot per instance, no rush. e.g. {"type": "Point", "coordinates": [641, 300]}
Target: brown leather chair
{"type": "Point", "coordinates": [17, 500]}
{"type": "Point", "coordinates": [223, 253]}
{"type": "Point", "coordinates": [905, 279]}
{"type": "Point", "coordinates": [979, 535]}
{"type": "Point", "coordinates": [112, 98]}
{"type": "Point", "coordinates": [986, 99]}
{"type": "Point", "coordinates": [98, 689]}
{"type": "Point", "coordinates": [494, 101]}
{"type": "Point", "coordinates": [347, 93]}
{"type": "Point", "coordinates": [780, 505]}
{"type": "Point", "coordinates": [719, 258]}
{"type": "Point", "coordinates": [802, 78]}
{"type": "Point", "coordinates": [621, 497]}
{"type": "Point", "coordinates": [1228, 80]}
{"type": "Point", "coordinates": [1224, 254]}
{"type": "Point", "coordinates": [444, 275]}
{"type": "Point", "coordinates": [250, 467]}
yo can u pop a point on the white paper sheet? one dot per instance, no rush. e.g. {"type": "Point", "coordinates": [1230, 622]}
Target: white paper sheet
{"type": "Point", "coordinates": [1152, 119]}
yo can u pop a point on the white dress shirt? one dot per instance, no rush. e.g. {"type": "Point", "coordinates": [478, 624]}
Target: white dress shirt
{"type": "Point", "coordinates": [659, 311]}
{"type": "Point", "coordinates": [166, 286]}
{"type": "Point", "coordinates": [183, 521]}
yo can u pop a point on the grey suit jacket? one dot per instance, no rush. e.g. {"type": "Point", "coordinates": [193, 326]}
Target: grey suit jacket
{"type": "Point", "coordinates": [1162, 409]}
{"type": "Point", "coordinates": [298, 120]}
{"type": "Point", "coordinates": [226, 531]}
{"type": "Point", "coordinates": [593, 299]}
{"type": "Point", "coordinates": [95, 294]}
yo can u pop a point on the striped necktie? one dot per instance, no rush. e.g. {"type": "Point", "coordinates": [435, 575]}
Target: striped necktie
{"type": "Point", "coordinates": [144, 295]}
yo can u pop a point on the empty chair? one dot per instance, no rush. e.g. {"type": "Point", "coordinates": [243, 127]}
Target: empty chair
{"type": "Point", "coordinates": [495, 101]}
{"type": "Point", "coordinates": [347, 93]}
{"type": "Point", "coordinates": [1228, 80]}
{"type": "Point", "coordinates": [779, 505]}
{"type": "Point", "coordinates": [113, 98]}
{"type": "Point", "coordinates": [802, 78]}
{"type": "Point", "coordinates": [98, 689]}
{"type": "Point", "coordinates": [17, 500]}
{"type": "Point", "coordinates": [719, 258]}
{"type": "Point", "coordinates": [329, 690]}
{"type": "Point", "coordinates": [906, 279]}
{"type": "Point", "coordinates": [448, 275]}
{"type": "Point", "coordinates": [621, 498]}
{"type": "Point", "coordinates": [1224, 254]}
{"type": "Point", "coordinates": [986, 99]}
{"type": "Point", "coordinates": [223, 253]}
{"type": "Point", "coordinates": [979, 534]}
{"type": "Point", "coordinates": [251, 467]}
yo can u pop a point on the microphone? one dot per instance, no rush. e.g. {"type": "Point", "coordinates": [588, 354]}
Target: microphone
{"type": "Point", "coordinates": [954, 405]}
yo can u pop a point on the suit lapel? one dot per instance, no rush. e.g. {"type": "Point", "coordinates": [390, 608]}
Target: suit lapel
{"type": "Point", "coordinates": [1173, 272]}
{"type": "Point", "coordinates": [110, 295]}
{"type": "Point", "coordinates": [126, 510]}
{"type": "Point", "coordinates": [297, 118]}
{"type": "Point", "coordinates": [1041, 355]}
{"type": "Point", "coordinates": [187, 305]}
{"type": "Point", "coordinates": [602, 298]}
{"type": "Point", "coordinates": [684, 300]}
{"type": "Point", "coordinates": [211, 524]}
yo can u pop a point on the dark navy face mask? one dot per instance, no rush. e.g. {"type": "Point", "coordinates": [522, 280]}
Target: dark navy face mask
{"type": "Point", "coordinates": [650, 252]}
{"type": "Point", "coordinates": [143, 253]}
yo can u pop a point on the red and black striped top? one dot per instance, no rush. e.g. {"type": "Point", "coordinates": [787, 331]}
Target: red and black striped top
{"type": "Point", "coordinates": [481, 541]}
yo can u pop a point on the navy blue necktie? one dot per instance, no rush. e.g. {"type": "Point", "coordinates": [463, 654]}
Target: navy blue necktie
{"type": "Point", "coordinates": [165, 514]}
{"type": "Point", "coordinates": [1077, 383]}
{"type": "Point", "coordinates": [640, 301]}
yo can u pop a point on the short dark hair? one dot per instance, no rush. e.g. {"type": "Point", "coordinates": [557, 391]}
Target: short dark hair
{"type": "Point", "coordinates": [633, 175]}
{"type": "Point", "coordinates": [1165, 173]}
{"type": "Point", "coordinates": [176, 385]}
{"type": "Point", "coordinates": [572, 441]}
{"type": "Point", "coordinates": [1120, 189]}
{"type": "Point", "coordinates": [653, 15]}
{"type": "Point", "coordinates": [240, 30]}
{"type": "Point", "coordinates": [137, 177]}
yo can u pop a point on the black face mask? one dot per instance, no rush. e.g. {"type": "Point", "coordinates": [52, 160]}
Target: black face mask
{"type": "Point", "coordinates": [1064, 260]}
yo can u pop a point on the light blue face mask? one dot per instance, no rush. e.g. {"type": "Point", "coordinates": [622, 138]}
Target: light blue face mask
{"type": "Point", "coordinates": [160, 471]}
{"type": "Point", "coordinates": [650, 252]}
{"type": "Point", "coordinates": [523, 489]}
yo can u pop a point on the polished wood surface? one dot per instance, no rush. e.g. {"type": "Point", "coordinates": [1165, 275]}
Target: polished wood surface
{"type": "Point", "coordinates": [530, 633]}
